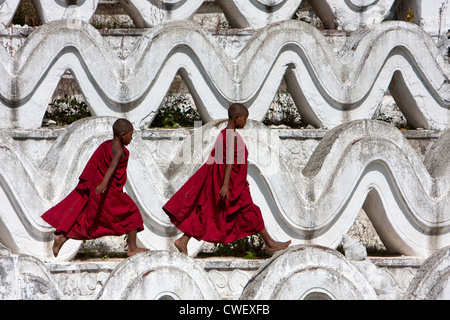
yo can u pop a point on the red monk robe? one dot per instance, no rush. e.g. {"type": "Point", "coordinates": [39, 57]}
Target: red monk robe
{"type": "Point", "coordinates": [197, 209]}
{"type": "Point", "coordinates": [85, 214]}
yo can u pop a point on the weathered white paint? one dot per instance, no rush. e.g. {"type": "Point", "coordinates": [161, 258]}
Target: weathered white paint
{"type": "Point", "coordinates": [328, 89]}
{"type": "Point", "coordinates": [309, 192]}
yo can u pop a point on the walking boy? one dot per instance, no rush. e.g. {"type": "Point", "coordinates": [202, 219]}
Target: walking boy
{"type": "Point", "coordinates": [215, 204]}
{"type": "Point", "coordinates": [98, 206]}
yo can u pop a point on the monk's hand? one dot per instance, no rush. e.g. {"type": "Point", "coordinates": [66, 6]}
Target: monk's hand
{"type": "Point", "coordinates": [101, 188]}
{"type": "Point", "coordinates": [224, 191]}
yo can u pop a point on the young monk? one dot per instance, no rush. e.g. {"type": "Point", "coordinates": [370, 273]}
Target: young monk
{"type": "Point", "coordinates": [98, 206]}
{"type": "Point", "coordinates": [215, 204]}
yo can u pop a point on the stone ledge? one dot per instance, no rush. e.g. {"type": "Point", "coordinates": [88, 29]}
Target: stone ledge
{"type": "Point", "coordinates": [83, 279]}
{"type": "Point", "coordinates": [397, 262]}
{"type": "Point", "coordinates": [182, 133]}
{"type": "Point", "coordinates": [299, 272]}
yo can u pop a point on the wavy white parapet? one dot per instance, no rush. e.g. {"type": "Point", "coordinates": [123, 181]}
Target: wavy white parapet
{"type": "Point", "coordinates": [364, 163]}
{"type": "Point", "coordinates": [302, 273]}
{"type": "Point", "coordinates": [25, 278]}
{"type": "Point", "coordinates": [432, 280]}
{"type": "Point", "coordinates": [151, 13]}
{"type": "Point", "coordinates": [352, 14]}
{"type": "Point", "coordinates": [155, 275]}
{"type": "Point", "coordinates": [348, 15]}
{"type": "Point", "coordinates": [328, 89]}
{"type": "Point", "coordinates": [7, 10]}
{"type": "Point", "coordinates": [69, 10]}
{"type": "Point", "coordinates": [258, 13]}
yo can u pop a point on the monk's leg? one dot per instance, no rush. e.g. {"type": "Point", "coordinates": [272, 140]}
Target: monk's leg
{"type": "Point", "coordinates": [132, 245]}
{"type": "Point", "coordinates": [58, 242]}
{"type": "Point", "coordinates": [272, 245]}
{"type": "Point", "coordinates": [182, 242]}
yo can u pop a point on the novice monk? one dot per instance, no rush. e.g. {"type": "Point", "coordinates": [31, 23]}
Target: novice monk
{"type": "Point", "coordinates": [215, 204]}
{"type": "Point", "coordinates": [98, 206]}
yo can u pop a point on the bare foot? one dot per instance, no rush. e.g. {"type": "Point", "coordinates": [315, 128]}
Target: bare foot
{"type": "Point", "coordinates": [276, 246]}
{"type": "Point", "coordinates": [132, 246]}
{"type": "Point", "coordinates": [181, 244]}
{"type": "Point", "coordinates": [58, 242]}
{"type": "Point", "coordinates": [132, 252]}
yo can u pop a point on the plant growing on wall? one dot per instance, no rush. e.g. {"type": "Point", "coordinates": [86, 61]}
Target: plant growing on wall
{"type": "Point", "coordinates": [176, 111]}
{"type": "Point", "coordinates": [410, 16]}
{"type": "Point", "coordinates": [67, 110]}
{"type": "Point", "coordinates": [250, 247]}
{"type": "Point", "coordinates": [283, 112]}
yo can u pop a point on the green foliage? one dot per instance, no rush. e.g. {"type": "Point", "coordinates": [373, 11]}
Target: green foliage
{"type": "Point", "coordinates": [250, 247]}
{"type": "Point", "coordinates": [67, 110]}
{"type": "Point", "coordinates": [176, 111]}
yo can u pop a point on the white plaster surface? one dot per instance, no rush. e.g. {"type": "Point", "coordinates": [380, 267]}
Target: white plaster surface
{"type": "Point", "coordinates": [310, 186]}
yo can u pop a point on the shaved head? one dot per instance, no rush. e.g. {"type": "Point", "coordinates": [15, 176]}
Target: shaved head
{"type": "Point", "coordinates": [121, 126]}
{"type": "Point", "coordinates": [237, 109]}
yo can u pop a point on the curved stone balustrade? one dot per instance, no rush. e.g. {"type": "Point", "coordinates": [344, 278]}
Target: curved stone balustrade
{"type": "Point", "coordinates": [24, 277]}
{"type": "Point", "coordinates": [432, 281]}
{"type": "Point", "coordinates": [7, 10]}
{"type": "Point", "coordinates": [312, 197]}
{"type": "Point", "coordinates": [72, 11]}
{"type": "Point", "coordinates": [257, 13]}
{"type": "Point", "coordinates": [304, 273]}
{"type": "Point", "coordinates": [159, 275]}
{"type": "Point", "coordinates": [353, 14]}
{"type": "Point", "coordinates": [347, 15]}
{"type": "Point", "coordinates": [151, 13]}
{"type": "Point", "coordinates": [300, 272]}
{"type": "Point", "coordinates": [360, 164]}
{"type": "Point", "coordinates": [328, 89]}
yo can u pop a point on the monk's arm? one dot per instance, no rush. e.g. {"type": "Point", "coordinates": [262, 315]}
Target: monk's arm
{"type": "Point", "coordinates": [224, 191]}
{"type": "Point", "coordinates": [117, 154]}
